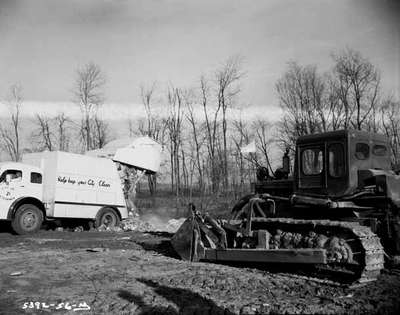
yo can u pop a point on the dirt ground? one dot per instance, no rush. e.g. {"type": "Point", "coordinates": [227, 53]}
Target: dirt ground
{"type": "Point", "coordinates": [138, 273]}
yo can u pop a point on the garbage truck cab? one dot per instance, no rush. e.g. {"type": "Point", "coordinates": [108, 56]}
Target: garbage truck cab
{"type": "Point", "coordinates": [21, 189]}
{"type": "Point", "coordinates": [15, 177]}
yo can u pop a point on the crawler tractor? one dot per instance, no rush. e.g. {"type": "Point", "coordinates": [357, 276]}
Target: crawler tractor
{"type": "Point", "coordinates": [338, 212]}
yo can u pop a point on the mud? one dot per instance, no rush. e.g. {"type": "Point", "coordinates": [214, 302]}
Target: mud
{"type": "Point", "coordinates": [139, 273]}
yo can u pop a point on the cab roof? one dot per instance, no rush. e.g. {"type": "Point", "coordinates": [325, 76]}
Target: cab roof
{"type": "Point", "coordinates": [19, 166]}
{"type": "Point", "coordinates": [356, 134]}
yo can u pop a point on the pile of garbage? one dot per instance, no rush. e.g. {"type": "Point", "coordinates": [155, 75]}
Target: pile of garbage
{"type": "Point", "coordinates": [135, 223]}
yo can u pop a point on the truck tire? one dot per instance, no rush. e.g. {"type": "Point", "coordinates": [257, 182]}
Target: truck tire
{"type": "Point", "coordinates": [107, 217]}
{"type": "Point", "coordinates": [27, 219]}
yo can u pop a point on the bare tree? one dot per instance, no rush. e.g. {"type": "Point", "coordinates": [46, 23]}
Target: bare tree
{"type": "Point", "coordinates": [149, 126]}
{"type": "Point", "coordinates": [211, 117]}
{"type": "Point", "coordinates": [264, 139]}
{"type": "Point", "coordinates": [301, 95]}
{"type": "Point", "coordinates": [358, 84]}
{"type": "Point", "coordinates": [154, 126]}
{"type": "Point", "coordinates": [10, 135]}
{"type": "Point", "coordinates": [346, 97]}
{"type": "Point", "coordinates": [100, 132]}
{"type": "Point", "coordinates": [390, 119]}
{"type": "Point", "coordinates": [227, 78]}
{"type": "Point", "coordinates": [88, 94]}
{"type": "Point", "coordinates": [336, 109]}
{"type": "Point", "coordinates": [44, 134]}
{"type": "Point", "coordinates": [62, 123]}
{"type": "Point", "coordinates": [197, 137]}
{"type": "Point", "coordinates": [174, 125]}
{"type": "Point", "coordinates": [241, 137]}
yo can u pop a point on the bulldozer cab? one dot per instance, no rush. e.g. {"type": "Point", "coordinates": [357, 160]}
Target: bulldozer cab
{"type": "Point", "coordinates": [327, 164]}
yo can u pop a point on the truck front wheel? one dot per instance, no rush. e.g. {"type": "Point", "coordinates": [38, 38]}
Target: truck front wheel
{"type": "Point", "coordinates": [27, 219]}
{"type": "Point", "coordinates": [107, 217]}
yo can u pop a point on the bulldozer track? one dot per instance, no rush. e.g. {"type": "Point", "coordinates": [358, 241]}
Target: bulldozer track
{"type": "Point", "coordinates": [370, 253]}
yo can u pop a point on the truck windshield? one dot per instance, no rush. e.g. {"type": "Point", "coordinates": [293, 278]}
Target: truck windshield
{"type": "Point", "coordinates": [15, 175]}
{"type": "Point", "coordinates": [312, 161]}
{"type": "Point", "coordinates": [362, 151]}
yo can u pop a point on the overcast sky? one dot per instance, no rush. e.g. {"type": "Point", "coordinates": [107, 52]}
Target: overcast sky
{"type": "Point", "coordinates": [42, 42]}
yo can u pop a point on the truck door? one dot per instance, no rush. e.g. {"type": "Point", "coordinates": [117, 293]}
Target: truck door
{"type": "Point", "coordinates": [34, 182]}
{"type": "Point", "coordinates": [336, 168]}
{"type": "Point", "coordinates": [311, 173]}
{"type": "Point", "coordinates": [12, 185]}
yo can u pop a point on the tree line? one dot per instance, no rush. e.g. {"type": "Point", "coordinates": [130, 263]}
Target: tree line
{"type": "Point", "coordinates": [348, 96]}
{"type": "Point", "coordinates": [195, 127]}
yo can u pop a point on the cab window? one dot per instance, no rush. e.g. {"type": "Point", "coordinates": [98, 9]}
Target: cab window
{"type": "Point", "coordinates": [36, 178]}
{"type": "Point", "coordinates": [362, 151]}
{"type": "Point", "coordinates": [12, 175]}
{"type": "Point", "coordinates": [312, 161]}
{"type": "Point", "coordinates": [379, 150]}
{"type": "Point", "coordinates": [336, 160]}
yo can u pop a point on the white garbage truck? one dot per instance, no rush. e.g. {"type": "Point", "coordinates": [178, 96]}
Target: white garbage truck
{"type": "Point", "coordinates": [61, 185]}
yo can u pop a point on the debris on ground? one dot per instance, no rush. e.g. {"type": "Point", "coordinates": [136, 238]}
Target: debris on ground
{"type": "Point", "coordinates": [104, 228]}
{"type": "Point", "coordinates": [96, 249]}
{"type": "Point", "coordinates": [135, 224]}
{"type": "Point", "coordinates": [131, 224]}
{"type": "Point", "coordinates": [78, 229]}
{"type": "Point", "coordinates": [16, 273]}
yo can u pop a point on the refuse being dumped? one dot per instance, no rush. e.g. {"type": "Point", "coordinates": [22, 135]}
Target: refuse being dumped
{"type": "Point", "coordinates": [135, 159]}
{"type": "Point", "coordinates": [130, 177]}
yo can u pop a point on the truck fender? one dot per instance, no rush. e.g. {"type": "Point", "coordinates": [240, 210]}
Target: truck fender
{"type": "Point", "coordinates": [103, 211]}
{"type": "Point", "coordinates": [110, 207]}
{"type": "Point", "coordinates": [24, 200]}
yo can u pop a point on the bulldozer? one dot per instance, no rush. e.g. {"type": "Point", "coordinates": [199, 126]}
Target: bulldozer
{"type": "Point", "coordinates": [337, 212]}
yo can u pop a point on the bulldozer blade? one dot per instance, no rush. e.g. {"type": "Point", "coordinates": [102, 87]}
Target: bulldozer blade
{"type": "Point", "coordinates": [291, 256]}
{"type": "Point", "coordinates": [186, 241]}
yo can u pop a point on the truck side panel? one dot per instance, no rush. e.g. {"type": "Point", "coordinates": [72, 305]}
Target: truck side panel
{"type": "Point", "coordinates": [83, 185]}
{"type": "Point", "coordinates": [84, 211]}
{"type": "Point", "coordinates": [77, 186]}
